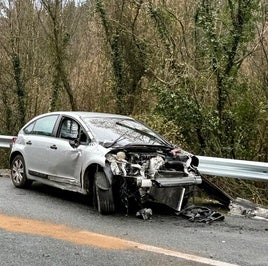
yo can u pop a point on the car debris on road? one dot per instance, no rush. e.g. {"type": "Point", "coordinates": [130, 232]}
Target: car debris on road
{"type": "Point", "coordinates": [201, 214]}
{"type": "Point", "coordinates": [248, 209]}
{"type": "Point", "coordinates": [116, 160]}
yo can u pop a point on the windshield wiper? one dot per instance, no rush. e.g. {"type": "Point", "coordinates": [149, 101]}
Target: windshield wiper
{"type": "Point", "coordinates": [116, 140]}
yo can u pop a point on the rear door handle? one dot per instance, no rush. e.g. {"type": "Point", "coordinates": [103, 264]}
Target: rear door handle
{"type": "Point", "coordinates": [29, 142]}
{"type": "Point", "coordinates": [53, 147]}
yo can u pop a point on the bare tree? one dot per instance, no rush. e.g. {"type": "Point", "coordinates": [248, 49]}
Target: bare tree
{"type": "Point", "coordinates": [16, 55]}
{"type": "Point", "coordinates": [126, 50]}
{"type": "Point", "coordinates": [59, 41]}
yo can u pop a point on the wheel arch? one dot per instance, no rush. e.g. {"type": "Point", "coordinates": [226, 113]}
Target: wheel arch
{"type": "Point", "coordinates": [89, 175]}
{"type": "Point", "coordinates": [13, 155]}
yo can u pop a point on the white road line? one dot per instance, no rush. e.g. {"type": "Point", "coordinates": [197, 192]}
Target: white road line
{"type": "Point", "coordinates": [181, 255]}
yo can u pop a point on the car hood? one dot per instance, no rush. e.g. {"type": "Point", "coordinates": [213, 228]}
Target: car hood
{"type": "Point", "coordinates": [143, 148]}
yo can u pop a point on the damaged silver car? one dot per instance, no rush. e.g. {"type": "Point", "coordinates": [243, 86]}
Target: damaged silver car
{"type": "Point", "coordinates": [116, 160]}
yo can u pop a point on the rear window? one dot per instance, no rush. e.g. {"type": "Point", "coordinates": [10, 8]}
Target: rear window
{"type": "Point", "coordinates": [42, 126]}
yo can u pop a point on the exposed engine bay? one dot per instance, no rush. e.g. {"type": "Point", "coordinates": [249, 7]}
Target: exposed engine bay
{"type": "Point", "coordinates": [153, 173]}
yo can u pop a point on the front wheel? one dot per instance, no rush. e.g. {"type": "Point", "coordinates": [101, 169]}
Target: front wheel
{"type": "Point", "coordinates": [103, 198]}
{"type": "Point", "coordinates": [18, 172]}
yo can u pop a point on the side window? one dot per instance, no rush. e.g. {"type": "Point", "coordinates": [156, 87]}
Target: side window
{"type": "Point", "coordinates": [42, 126]}
{"type": "Point", "coordinates": [69, 129]}
{"type": "Point", "coordinates": [29, 128]}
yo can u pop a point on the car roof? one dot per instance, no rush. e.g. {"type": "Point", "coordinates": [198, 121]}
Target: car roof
{"type": "Point", "coordinates": [82, 114]}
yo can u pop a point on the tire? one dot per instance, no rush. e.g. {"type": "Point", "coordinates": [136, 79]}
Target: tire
{"type": "Point", "coordinates": [103, 199]}
{"type": "Point", "coordinates": [18, 173]}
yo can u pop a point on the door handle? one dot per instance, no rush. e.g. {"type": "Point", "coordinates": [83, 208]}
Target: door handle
{"type": "Point", "coordinates": [29, 142]}
{"type": "Point", "coordinates": [53, 147]}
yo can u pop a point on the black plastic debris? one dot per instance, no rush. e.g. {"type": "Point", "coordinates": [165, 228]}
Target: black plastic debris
{"type": "Point", "coordinates": [201, 214]}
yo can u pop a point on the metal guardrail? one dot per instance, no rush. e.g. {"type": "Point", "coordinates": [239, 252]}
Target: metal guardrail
{"type": "Point", "coordinates": [5, 141]}
{"type": "Point", "coordinates": [256, 171]}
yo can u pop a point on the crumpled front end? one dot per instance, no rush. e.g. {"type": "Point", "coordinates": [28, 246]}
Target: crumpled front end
{"type": "Point", "coordinates": [152, 173]}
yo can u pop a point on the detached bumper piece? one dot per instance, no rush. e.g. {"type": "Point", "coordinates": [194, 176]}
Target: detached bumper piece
{"type": "Point", "coordinates": [171, 179]}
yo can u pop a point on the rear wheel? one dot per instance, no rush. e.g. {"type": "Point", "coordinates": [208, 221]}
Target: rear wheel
{"type": "Point", "coordinates": [103, 199]}
{"type": "Point", "coordinates": [18, 173]}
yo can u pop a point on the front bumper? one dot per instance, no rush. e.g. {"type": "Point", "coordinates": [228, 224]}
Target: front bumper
{"type": "Point", "coordinates": [170, 179]}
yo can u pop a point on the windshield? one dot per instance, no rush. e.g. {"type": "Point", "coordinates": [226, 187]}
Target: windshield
{"type": "Point", "coordinates": [120, 132]}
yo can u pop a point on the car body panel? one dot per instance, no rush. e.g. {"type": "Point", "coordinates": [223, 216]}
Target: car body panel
{"type": "Point", "coordinates": [39, 148]}
{"type": "Point", "coordinates": [135, 159]}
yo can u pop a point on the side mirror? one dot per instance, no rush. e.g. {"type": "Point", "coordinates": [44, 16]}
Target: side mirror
{"type": "Point", "coordinates": [74, 143]}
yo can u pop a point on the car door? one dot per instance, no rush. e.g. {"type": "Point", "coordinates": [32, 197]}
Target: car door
{"type": "Point", "coordinates": [65, 159]}
{"type": "Point", "coordinates": [38, 140]}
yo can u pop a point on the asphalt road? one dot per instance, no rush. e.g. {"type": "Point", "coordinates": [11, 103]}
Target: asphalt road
{"type": "Point", "coordinates": [46, 226]}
